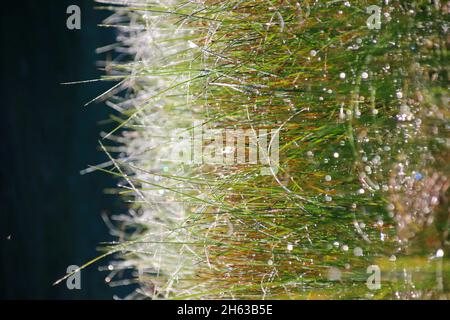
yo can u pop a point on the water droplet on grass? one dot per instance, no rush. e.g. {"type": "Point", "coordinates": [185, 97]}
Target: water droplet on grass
{"type": "Point", "coordinates": [334, 274]}
{"type": "Point", "coordinates": [358, 252]}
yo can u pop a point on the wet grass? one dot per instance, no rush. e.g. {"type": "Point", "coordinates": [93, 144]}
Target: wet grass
{"type": "Point", "coordinates": [364, 146]}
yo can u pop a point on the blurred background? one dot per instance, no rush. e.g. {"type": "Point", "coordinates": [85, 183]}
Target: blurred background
{"type": "Point", "coordinates": [50, 214]}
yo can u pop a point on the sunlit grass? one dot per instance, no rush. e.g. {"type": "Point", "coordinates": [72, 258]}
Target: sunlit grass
{"type": "Point", "coordinates": [364, 148]}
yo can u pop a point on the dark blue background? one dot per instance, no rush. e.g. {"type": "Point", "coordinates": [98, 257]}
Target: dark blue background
{"type": "Point", "coordinates": [52, 213]}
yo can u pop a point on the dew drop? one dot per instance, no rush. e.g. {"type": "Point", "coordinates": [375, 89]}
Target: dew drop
{"type": "Point", "coordinates": [334, 274]}
{"type": "Point", "coordinates": [358, 252]}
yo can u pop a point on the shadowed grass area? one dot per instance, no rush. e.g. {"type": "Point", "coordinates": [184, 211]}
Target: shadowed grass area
{"type": "Point", "coordinates": [363, 123]}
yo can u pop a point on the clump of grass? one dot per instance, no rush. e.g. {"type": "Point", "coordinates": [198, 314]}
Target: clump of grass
{"type": "Point", "coordinates": [364, 146]}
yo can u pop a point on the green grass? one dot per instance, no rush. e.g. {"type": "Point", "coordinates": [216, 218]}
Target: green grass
{"type": "Point", "coordinates": [381, 133]}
